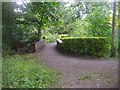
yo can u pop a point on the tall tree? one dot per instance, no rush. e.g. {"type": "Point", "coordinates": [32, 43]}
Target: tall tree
{"type": "Point", "coordinates": [98, 21]}
{"type": "Point", "coordinates": [113, 30]}
{"type": "Point", "coordinates": [42, 13]}
{"type": "Point", "coordinates": [119, 31]}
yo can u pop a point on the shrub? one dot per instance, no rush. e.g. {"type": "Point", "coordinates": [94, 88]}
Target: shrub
{"type": "Point", "coordinates": [88, 46]}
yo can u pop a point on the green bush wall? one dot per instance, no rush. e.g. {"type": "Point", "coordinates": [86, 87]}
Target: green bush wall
{"type": "Point", "coordinates": [87, 46]}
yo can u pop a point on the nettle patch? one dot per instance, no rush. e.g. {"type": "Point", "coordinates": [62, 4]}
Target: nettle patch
{"type": "Point", "coordinates": [19, 72]}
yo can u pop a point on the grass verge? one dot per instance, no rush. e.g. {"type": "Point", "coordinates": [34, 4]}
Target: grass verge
{"type": "Point", "coordinates": [19, 72]}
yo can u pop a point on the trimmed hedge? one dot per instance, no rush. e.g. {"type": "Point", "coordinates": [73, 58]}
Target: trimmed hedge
{"type": "Point", "coordinates": [86, 46]}
{"type": "Point", "coordinates": [63, 36]}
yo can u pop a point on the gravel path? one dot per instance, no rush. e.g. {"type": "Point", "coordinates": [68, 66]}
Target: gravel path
{"type": "Point", "coordinates": [77, 72]}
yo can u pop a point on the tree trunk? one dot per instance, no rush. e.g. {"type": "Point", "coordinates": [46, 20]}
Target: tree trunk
{"type": "Point", "coordinates": [40, 26]}
{"type": "Point", "coordinates": [113, 31]}
{"type": "Point", "coordinates": [119, 30]}
{"type": "Point", "coordinates": [39, 33]}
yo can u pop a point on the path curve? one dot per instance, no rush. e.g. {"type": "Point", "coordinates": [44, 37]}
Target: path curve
{"type": "Point", "coordinates": [72, 67]}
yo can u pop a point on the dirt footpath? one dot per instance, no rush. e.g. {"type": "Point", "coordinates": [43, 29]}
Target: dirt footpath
{"type": "Point", "coordinates": [77, 72]}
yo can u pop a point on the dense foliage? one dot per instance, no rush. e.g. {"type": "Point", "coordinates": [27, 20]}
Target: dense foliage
{"type": "Point", "coordinates": [99, 23]}
{"type": "Point", "coordinates": [19, 72]}
{"type": "Point", "coordinates": [7, 26]}
{"type": "Point", "coordinates": [89, 46]}
{"type": "Point", "coordinates": [24, 25]}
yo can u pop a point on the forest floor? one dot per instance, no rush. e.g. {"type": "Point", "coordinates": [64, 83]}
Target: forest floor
{"type": "Point", "coordinates": [77, 72]}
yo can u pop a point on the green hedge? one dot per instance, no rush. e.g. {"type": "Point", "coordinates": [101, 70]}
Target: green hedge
{"type": "Point", "coordinates": [86, 46]}
{"type": "Point", "coordinates": [63, 36]}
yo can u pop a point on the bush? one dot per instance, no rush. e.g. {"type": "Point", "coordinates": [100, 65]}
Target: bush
{"type": "Point", "coordinates": [89, 46]}
{"type": "Point", "coordinates": [6, 50]}
{"type": "Point", "coordinates": [19, 72]}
